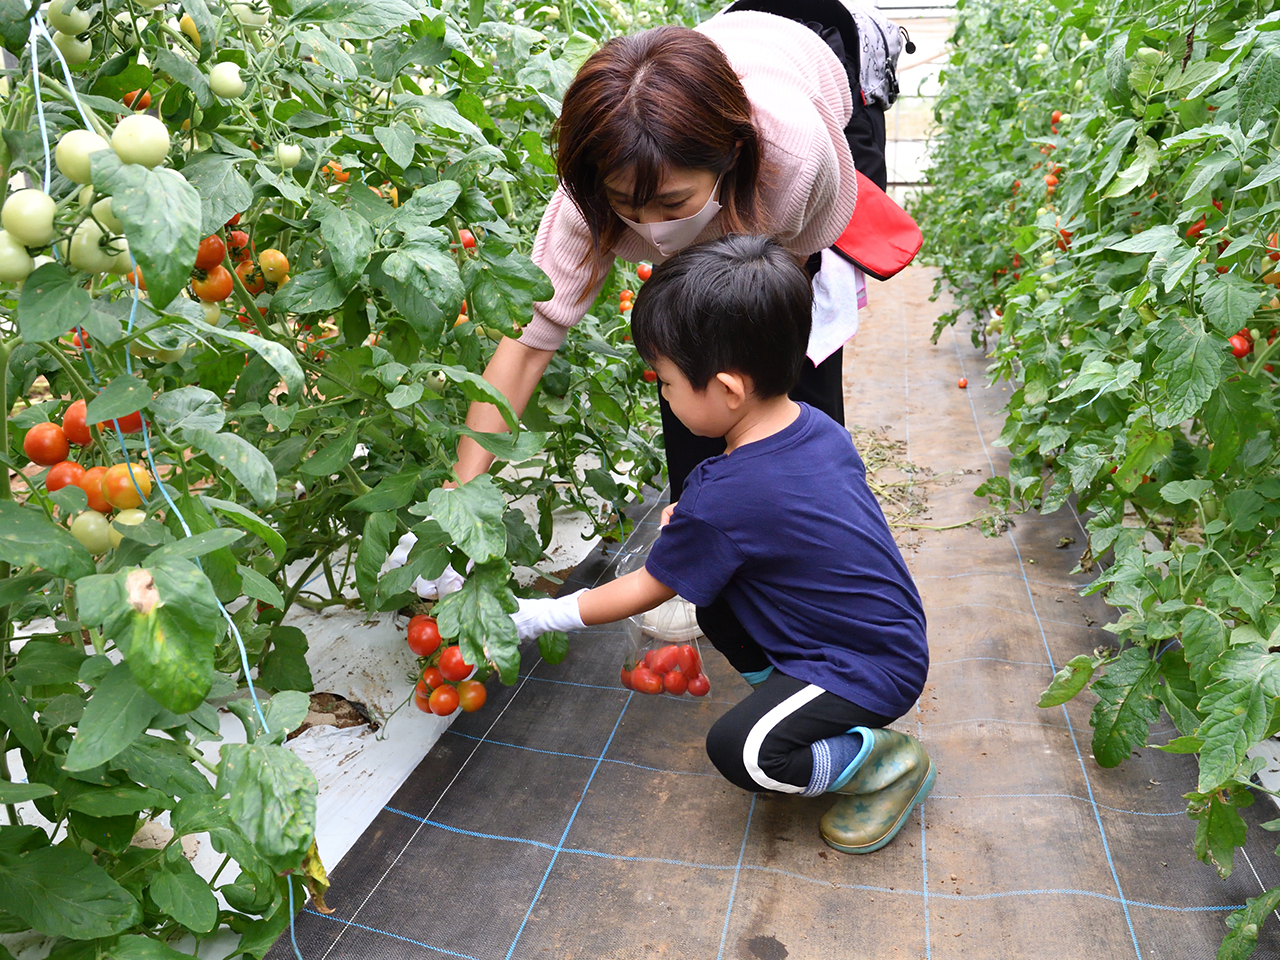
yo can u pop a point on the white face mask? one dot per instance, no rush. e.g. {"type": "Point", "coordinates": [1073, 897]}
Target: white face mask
{"type": "Point", "coordinates": [672, 236]}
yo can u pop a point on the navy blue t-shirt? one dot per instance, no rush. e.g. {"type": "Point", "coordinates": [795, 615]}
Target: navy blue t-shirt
{"type": "Point", "coordinates": [788, 530]}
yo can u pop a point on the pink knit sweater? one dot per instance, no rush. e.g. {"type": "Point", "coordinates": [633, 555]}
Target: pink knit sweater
{"type": "Point", "coordinates": [801, 98]}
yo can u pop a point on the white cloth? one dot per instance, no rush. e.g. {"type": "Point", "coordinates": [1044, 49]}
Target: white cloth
{"type": "Point", "coordinates": [835, 306]}
{"type": "Point", "coordinates": [537, 617]}
{"type": "Point", "coordinates": [448, 582]}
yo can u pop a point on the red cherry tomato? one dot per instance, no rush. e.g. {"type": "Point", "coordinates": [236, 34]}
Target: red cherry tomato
{"type": "Point", "coordinates": [216, 285]}
{"type": "Point", "coordinates": [626, 678]}
{"type": "Point", "coordinates": [1240, 346]}
{"type": "Point", "coordinates": [674, 682]}
{"type": "Point", "coordinates": [468, 238]}
{"type": "Point", "coordinates": [665, 660]}
{"type": "Point", "coordinates": [644, 272]}
{"type": "Point", "coordinates": [74, 427]}
{"type": "Point", "coordinates": [444, 700]}
{"type": "Point", "coordinates": [699, 686]}
{"type": "Point", "coordinates": [962, 382]}
{"type": "Point", "coordinates": [424, 635]}
{"type": "Point", "coordinates": [421, 702]}
{"type": "Point", "coordinates": [422, 688]}
{"type": "Point", "coordinates": [644, 680]}
{"type": "Point", "coordinates": [432, 677]}
{"type": "Point", "coordinates": [452, 664]}
{"type": "Point", "coordinates": [251, 277]}
{"type": "Point", "coordinates": [138, 99]}
{"type": "Point", "coordinates": [91, 484]}
{"type": "Point", "coordinates": [650, 377]}
{"type": "Point", "coordinates": [1197, 228]}
{"type": "Point", "coordinates": [64, 474]}
{"type": "Point", "coordinates": [471, 695]}
{"type": "Point", "coordinates": [46, 444]}
{"type": "Point", "coordinates": [212, 250]}
{"type": "Point", "coordinates": [689, 661]}
{"type": "Point", "coordinates": [131, 423]}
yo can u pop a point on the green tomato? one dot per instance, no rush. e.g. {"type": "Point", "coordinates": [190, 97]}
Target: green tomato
{"type": "Point", "coordinates": [107, 217]}
{"type": "Point", "coordinates": [1042, 294]}
{"type": "Point", "coordinates": [288, 155]}
{"type": "Point", "coordinates": [66, 16]}
{"type": "Point", "coordinates": [1079, 86]}
{"type": "Point", "coordinates": [88, 252]}
{"type": "Point", "coordinates": [125, 518]}
{"type": "Point", "coordinates": [225, 80]}
{"type": "Point", "coordinates": [1148, 56]}
{"type": "Point", "coordinates": [28, 217]}
{"type": "Point", "coordinates": [124, 259]}
{"type": "Point", "coordinates": [93, 531]}
{"type": "Point", "coordinates": [15, 263]}
{"type": "Point", "coordinates": [140, 138]}
{"type": "Point", "coordinates": [72, 154]}
{"type": "Point", "coordinates": [1048, 259]}
{"type": "Point", "coordinates": [1042, 48]}
{"type": "Point", "coordinates": [249, 15]}
{"type": "Point", "coordinates": [1210, 505]}
{"type": "Point", "coordinates": [74, 50]}
{"type": "Point", "coordinates": [172, 356]}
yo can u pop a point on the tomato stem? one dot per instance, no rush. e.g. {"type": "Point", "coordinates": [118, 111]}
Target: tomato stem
{"type": "Point", "coordinates": [54, 87]}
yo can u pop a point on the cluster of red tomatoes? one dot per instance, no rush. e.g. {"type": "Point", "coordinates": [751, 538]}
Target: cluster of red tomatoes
{"type": "Point", "coordinates": [122, 486]}
{"type": "Point", "coordinates": [674, 669]}
{"type": "Point", "coordinates": [1242, 342]}
{"type": "Point", "coordinates": [444, 683]}
{"type": "Point", "coordinates": [212, 282]}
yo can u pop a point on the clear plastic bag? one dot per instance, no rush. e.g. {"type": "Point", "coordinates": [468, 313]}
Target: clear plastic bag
{"type": "Point", "coordinates": [663, 655]}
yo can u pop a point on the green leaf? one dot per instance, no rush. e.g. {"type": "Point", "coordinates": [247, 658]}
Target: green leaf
{"type": "Point", "coordinates": [399, 141]}
{"type": "Point", "coordinates": [354, 19]}
{"type": "Point", "coordinates": [259, 587]}
{"type": "Point", "coordinates": [176, 624]}
{"type": "Point", "coordinates": [14, 589]}
{"type": "Point", "coordinates": [187, 408]}
{"type": "Point", "coordinates": [185, 73]}
{"type": "Point", "coordinates": [1259, 86]}
{"type": "Point", "coordinates": [29, 538]}
{"type": "Point", "coordinates": [16, 715]}
{"type": "Point", "coordinates": [161, 215]}
{"type": "Point", "coordinates": [118, 713]}
{"type": "Point", "coordinates": [374, 545]}
{"type": "Point", "coordinates": [1068, 681]}
{"type": "Point", "coordinates": [405, 395]}
{"type": "Point", "coordinates": [421, 279]}
{"type": "Point", "coordinates": [1268, 174]}
{"type": "Point", "coordinates": [349, 240]}
{"type": "Point", "coordinates": [22, 792]}
{"type": "Point", "coordinates": [1144, 448]}
{"type": "Point", "coordinates": [196, 545]}
{"type": "Point", "coordinates": [1229, 302]}
{"type": "Point", "coordinates": [60, 891]}
{"type": "Point", "coordinates": [1244, 924]}
{"type": "Point", "coordinates": [184, 895]}
{"type": "Point", "coordinates": [504, 289]}
{"type": "Point", "coordinates": [1203, 641]}
{"type": "Point", "coordinates": [479, 617]}
{"type": "Point", "coordinates": [391, 493]}
{"type": "Point", "coordinates": [476, 387]}
{"type": "Point", "coordinates": [526, 445]}
{"type": "Point", "coordinates": [245, 462]}
{"type": "Point", "coordinates": [1232, 417]}
{"type": "Point", "coordinates": [285, 665]}
{"type": "Point", "coordinates": [1185, 491]}
{"type": "Point", "coordinates": [119, 398]}
{"type": "Point", "coordinates": [1146, 153]}
{"type": "Point", "coordinates": [315, 291]}
{"type": "Point", "coordinates": [329, 55]}
{"type": "Point", "coordinates": [272, 800]}
{"type": "Point", "coordinates": [1236, 720]}
{"type": "Point", "coordinates": [1126, 706]}
{"type": "Point", "coordinates": [98, 801]}
{"type": "Point", "coordinates": [249, 521]}
{"type": "Point", "coordinates": [137, 947]}
{"type": "Point", "coordinates": [278, 356]}
{"type": "Point", "coordinates": [46, 662]}
{"type": "Point", "coordinates": [163, 765]}
{"type": "Point", "coordinates": [1190, 363]}
{"type": "Point", "coordinates": [335, 455]}
{"type": "Point", "coordinates": [1084, 461]}
{"type": "Point", "coordinates": [435, 111]}
{"type": "Point", "coordinates": [224, 191]}
{"type": "Point", "coordinates": [1219, 829]}
{"type": "Point", "coordinates": [1117, 68]}
{"type": "Point", "coordinates": [553, 646]}
{"type": "Point", "coordinates": [428, 203]}
{"type": "Point", "coordinates": [51, 303]}
{"type": "Point", "coordinates": [472, 515]}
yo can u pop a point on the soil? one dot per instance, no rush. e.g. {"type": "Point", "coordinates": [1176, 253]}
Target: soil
{"type": "Point", "coordinates": [331, 710]}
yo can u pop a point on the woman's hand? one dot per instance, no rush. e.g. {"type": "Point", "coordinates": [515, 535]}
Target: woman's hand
{"type": "Point", "coordinates": [667, 513]}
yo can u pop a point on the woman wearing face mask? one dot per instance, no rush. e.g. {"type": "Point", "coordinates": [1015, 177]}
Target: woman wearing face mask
{"type": "Point", "coordinates": [673, 136]}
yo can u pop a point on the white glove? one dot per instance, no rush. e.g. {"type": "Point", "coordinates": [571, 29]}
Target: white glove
{"type": "Point", "coordinates": [537, 617]}
{"type": "Point", "coordinates": [436, 589]}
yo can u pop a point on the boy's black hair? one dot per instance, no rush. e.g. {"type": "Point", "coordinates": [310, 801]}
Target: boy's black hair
{"type": "Point", "coordinates": [740, 304]}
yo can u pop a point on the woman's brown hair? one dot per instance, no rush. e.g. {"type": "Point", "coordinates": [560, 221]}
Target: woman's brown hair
{"type": "Point", "coordinates": [650, 102]}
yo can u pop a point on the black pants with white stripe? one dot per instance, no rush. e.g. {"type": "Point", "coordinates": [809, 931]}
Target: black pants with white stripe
{"type": "Point", "coordinates": [764, 742]}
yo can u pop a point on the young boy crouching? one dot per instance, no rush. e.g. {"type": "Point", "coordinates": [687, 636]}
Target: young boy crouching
{"type": "Point", "coordinates": [782, 547]}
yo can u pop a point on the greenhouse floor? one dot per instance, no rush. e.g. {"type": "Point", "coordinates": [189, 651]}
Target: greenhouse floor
{"type": "Point", "coordinates": [572, 818]}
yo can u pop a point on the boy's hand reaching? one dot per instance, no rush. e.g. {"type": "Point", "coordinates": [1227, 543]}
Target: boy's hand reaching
{"type": "Point", "coordinates": [667, 512]}
{"type": "Point", "coordinates": [537, 617]}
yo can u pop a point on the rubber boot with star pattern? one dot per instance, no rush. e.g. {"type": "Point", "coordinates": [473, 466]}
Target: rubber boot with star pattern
{"type": "Point", "coordinates": [896, 775]}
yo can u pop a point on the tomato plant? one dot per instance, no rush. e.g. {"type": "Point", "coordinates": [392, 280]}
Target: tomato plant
{"type": "Point", "coordinates": [310, 439]}
{"type": "Point", "coordinates": [1140, 385]}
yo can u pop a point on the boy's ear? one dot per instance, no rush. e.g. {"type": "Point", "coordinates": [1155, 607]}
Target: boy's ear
{"type": "Point", "coordinates": [736, 386]}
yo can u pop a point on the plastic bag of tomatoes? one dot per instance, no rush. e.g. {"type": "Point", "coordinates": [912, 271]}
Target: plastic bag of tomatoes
{"type": "Point", "coordinates": [654, 666]}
